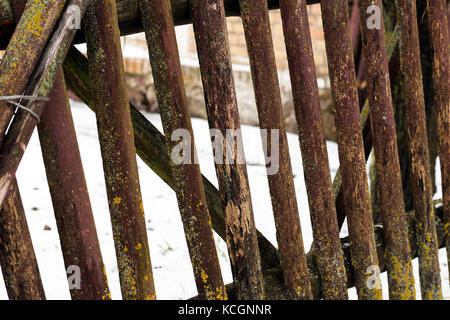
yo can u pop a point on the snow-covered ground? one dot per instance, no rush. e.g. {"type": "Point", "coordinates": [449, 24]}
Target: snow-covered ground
{"type": "Point", "coordinates": [172, 269]}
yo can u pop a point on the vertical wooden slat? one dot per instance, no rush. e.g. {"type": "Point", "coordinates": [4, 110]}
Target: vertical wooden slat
{"type": "Point", "coordinates": [24, 50]}
{"type": "Point", "coordinates": [208, 18]}
{"type": "Point", "coordinates": [118, 151]}
{"type": "Point", "coordinates": [351, 149]}
{"type": "Point", "coordinates": [71, 203]}
{"type": "Point", "coordinates": [327, 246]}
{"type": "Point", "coordinates": [429, 271]}
{"type": "Point", "coordinates": [17, 259]}
{"type": "Point", "coordinates": [255, 18]}
{"type": "Point", "coordinates": [440, 40]}
{"type": "Point", "coordinates": [39, 86]}
{"type": "Point", "coordinates": [166, 69]}
{"type": "Point", "coordinates": [398, 255]}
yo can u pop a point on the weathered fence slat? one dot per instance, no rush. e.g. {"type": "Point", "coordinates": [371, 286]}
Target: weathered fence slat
{"type": "Point", "coordinates": [440, 39]}
{"type": "Point", "coordinates": [17, 259]}
{"type": "Point", "coordinates": [351, 149]}
{"type": "Point", "coordinates": [129, 16]}
{"type": "Point", "coordinates": [430, 281]}
{"type": "Point", "coordinates": [210, 30]}
{"type": "Point", "coordinates": [71, 203]}
{"type": "Point", "coordinates": [151, 148]}
{"type": "Point", "coordinates": [40, 85]}
{"type": "Point", "coordinates": [166, 69]}
{"type": "Point", "coordinates": [118, 151]}
{"type": "Point", "coordinates": [398, 256]}
{"type": "Point", "coordinates": [327, 246]}
{"type": "Point", "coordinates": [255, 18]}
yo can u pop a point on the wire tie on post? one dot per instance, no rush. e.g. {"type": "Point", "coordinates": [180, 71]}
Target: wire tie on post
{"type": "Point", "coordinates": [10, 99]}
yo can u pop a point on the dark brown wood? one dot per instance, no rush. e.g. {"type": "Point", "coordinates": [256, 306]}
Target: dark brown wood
{"type": "Point", "coordinates": [210, 30]}
{"type": "Point", "coordinates": [17, 259]}
{"type": "Point", "coordinates": [118, 151]}
{"type": "Point", "coordinates": [430, 281]}
{"type": "Point", "coordinates": [70, 197]}
{"type": "Point", "coordinates": [166, 69]}
{"type": "Point", "coordinates": [327, 246]}
{"type": "Point", "coordinates": [440, 39]}
{"type": "Point", "coordinates": [151, 147]}
{"type": "Point", "coordinates": [351, 149]}
{"type": "Point", "coordinates": [398, 256]}
{"type": "Point", "coordinates": [255, 18]}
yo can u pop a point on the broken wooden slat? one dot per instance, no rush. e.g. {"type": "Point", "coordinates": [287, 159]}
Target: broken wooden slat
{"type": "Point", "coordinates": [166, 69]}
{"type": "Point", "coordinates": [398, 257]}
{"type": "Point", "coordinates": [305, 92]}
{"type": "Point", "coordinates": [210, 30]}
{"type": "Point", "coordinates": [255, 18]}
{"type": "Point", "coordinates": [118, 151]}
{"type": "Point", "coordinates": [70, 197]}
{"type": "Point", "coordinates": [351, 149]}
{"type": "Point", "coordinates": [17, 258]}
{"type": "Point", "coordinates": [430, 281]}
{"type": "Point", "coordinates": [440, 39]}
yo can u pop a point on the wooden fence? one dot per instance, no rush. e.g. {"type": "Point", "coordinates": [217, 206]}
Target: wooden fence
{"type": "Point", "coordinates": [40, 62]}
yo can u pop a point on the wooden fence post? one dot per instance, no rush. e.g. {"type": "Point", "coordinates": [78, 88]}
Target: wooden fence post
{"type": "Point", "coordinates": [17, 258]}
{"type": "Point", "coordinates": [440, 39]}
{"type": "Point", "coordinates": [430, 281]}
{"type": "Point", "coordinates": [398, 256]}
{"type": "Point", "coordinates": [118, 150]}
{"type": "Point", "coordinates": [166, 69]}
{"type": "Point", "coordinates": [327, 246]}
{"type": "Point", "coordinates": [208, 17]}
{"type": "Point", "coordinates": [255, 18]}
{"type": "Point", "coordinates": [351, 149]}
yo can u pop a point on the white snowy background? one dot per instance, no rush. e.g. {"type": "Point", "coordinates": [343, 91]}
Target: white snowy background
{"type": "Point", "coordinates": [171, 265]}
